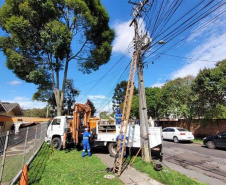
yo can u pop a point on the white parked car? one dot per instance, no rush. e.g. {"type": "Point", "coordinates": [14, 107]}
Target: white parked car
{"type": "Point", "coordinates": [177, 134]}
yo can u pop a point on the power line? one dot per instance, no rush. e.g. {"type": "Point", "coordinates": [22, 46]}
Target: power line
{"type": "Point", "coordinates": [190, 58]}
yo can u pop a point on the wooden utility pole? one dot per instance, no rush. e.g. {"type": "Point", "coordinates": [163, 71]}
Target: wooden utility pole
{"type": "Point", "coordinates": [146, 155]}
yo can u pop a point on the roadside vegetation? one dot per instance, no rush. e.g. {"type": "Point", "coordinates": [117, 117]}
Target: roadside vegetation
{"type": "Point", "coordinates": [67, 167]}
{"type": "Point", "coordinates": [198, 140]}
{"type": "Point", "coordinates": [183, 98]}
{"type": "Point", "coordinates": [166, 175]}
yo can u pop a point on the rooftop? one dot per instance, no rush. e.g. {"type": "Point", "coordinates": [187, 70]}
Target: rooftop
{"type": "Point", "coordinates": [7, 107]}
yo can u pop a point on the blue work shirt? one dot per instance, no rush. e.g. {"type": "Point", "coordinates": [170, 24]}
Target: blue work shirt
{"type": "Point", "coordinates": [86, 136]}
{"type": "Point", "coordinates": [118, 118]}
{"type": "Point", "coordinates": [122, 137]}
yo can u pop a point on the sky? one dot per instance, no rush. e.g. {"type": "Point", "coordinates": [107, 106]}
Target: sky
{"type": "Point", "coordinates": [201, 47]}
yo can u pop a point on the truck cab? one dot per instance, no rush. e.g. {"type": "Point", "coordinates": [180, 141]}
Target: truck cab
{"type": "Point", "coordinates": [57, 129]}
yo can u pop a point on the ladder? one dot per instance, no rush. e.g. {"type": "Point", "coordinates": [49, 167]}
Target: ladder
{"type": "Point", "coordinates": [125, 116]}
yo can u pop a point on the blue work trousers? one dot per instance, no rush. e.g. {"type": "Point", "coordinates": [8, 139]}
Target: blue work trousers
{"type": "Point", "coordinates": [124, 153]}
{"type": "Point", "coordinates": [86, 146]}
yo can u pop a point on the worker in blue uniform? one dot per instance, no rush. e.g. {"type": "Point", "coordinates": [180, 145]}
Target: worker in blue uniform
{"type": "Point", "coordinates": [118, 117]}
{"type": "Point", "coordinates": [121, 143]}
{"type": "Point", "coordinates": [86, 145]}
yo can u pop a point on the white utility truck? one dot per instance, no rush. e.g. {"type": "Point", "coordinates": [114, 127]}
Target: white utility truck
{"type": "Point", "coordinates": [104, 134]}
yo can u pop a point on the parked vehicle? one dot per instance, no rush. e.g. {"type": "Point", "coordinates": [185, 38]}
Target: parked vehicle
{"type": "Point", "coordinates": [217, 141]}
{"type": "Point", "coordinates": [65, 130]}
{"type": "Point", "coordinates": [177, 134]}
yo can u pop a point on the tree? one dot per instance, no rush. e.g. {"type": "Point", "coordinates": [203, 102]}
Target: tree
{"type": "Point", "coordinates": [119, 94]}
{"type": "Point", "coordinates": [46, 95]}
{"type": "Point", "coordinates": [35, 113]}
{"type": "Point", "coordinates": [135, 107]}
{"type": "Point", "coordinates": [210, 87]}
{"type": "Point", "coordinates": [38, 45]}
{"type": "Point", "coordinates": [153, 98]}
{"type": "Point", "coordinates": [93, 108]}
{"type": "Point", "coordinates": [70, 94]}
{"type": "Point", "coordinates": [177, 99]}
{"type": "Point", "coordinates": [107, 116]}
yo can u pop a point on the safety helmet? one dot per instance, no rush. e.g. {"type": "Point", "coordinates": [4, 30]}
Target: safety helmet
{"type": "Point", "coordinates": [118, 110]}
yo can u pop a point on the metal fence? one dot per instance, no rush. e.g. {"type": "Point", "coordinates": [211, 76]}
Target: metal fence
{"type": "Point", "coordinates": [19, 149]}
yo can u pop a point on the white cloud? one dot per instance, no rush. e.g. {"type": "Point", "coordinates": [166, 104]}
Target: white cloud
{"type": "Point", "coordinates": [205, 28]}
{"type": "Point", "coordinates": [107, 108]}
{"type": "Point", "coordinates": [211, 49]}
{"type": "Point", "coordinates": [19, 98]}
{"type": "Point", "coordinates": [123, 42]}
{"type": "Point", "coordinates": [14, 82]}
{"type": "Point", "coordinates": [95, 97]}
{"type": "Point", "coordinates": [32, 104]}
{"type": "Point", "coordinates": [26, 103]}
{"type": "Point", "coordinates": [124, 36]}
{"type": "Point", "coordinates": [157, 85]}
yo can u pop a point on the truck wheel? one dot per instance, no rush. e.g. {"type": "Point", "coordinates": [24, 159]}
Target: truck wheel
{"type": "Point", "coordinates": [112, 149]}
{"type": "Point", "coordinates": [56, 143]}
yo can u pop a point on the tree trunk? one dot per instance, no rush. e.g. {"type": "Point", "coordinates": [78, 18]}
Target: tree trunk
{"type": "Point", "coordinates": [59, 102]}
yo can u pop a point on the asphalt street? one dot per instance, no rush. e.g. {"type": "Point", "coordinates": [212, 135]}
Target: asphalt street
{"type": "Point", "coordinates": [196, 161]}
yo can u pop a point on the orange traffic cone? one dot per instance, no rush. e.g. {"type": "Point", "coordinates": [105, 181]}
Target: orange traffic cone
{"type": "Point", "coordinates": [24, 178]}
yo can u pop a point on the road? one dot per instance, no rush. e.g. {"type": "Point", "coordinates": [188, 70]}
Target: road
{"type": "Point", "coordinates": [196, 161]}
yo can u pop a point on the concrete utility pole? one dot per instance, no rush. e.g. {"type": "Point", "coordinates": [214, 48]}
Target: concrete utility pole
{"type": "Point", "coordinates": [146, 154]}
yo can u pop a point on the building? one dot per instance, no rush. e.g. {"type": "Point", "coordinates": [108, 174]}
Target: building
{"type": "Point", "coordinates": [8, 112]}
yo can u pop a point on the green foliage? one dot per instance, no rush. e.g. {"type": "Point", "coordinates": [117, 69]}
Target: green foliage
{"type": "Point", "coordinates": [153, 98]}
{"type": "Point", "coordinates": [177, 98]}
{"type": "Point", "coordinates": [69, 98]}
{"type": "Point", "coordinates": [188, 97]}
{"type": "Point", "coordinates": [68, 167]}
{"type": "Point", "coordinates": [35, 113]}
{"type": "Point", "coordinates": [104, 115]}
{"type": "Point", "coordinates": [210, 87]}
{"type": "Point", "coordinates": [93, 108]}
{"type": "Point", "coordinates": [119, 94]}
{"type": "Point", "coordinates": [46, 94]}
{"type": "Point", "coordinates": [165, 176]}
{"type": "Point", "coordinates": [38, 44]}
{"type": "Point", "coordinates": [135, 107]}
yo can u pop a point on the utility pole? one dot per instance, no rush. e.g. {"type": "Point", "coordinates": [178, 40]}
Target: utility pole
{"type": "Point", "coordinates": [146, 154]}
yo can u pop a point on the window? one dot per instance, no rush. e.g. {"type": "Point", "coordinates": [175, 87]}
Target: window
{"type": "Point", "coordinates": [171, 130]}
{"type": "Point", "coordinates": [165, 130]}
{"type": "Point", "coordinates": [56, 122]}
{"type": "Point", "coordinates": [182, 130]}
{"type": "Point", "coordinates": [2, 126]}
{"type": "Point", "coordinates": [223, 134]}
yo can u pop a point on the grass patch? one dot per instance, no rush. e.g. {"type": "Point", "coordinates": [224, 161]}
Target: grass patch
{"type": "Point", "coordinates": [67, 167]}
{"type": "Point", "coordinates": [166, 176]}
{"type": "Point", "coordinates": [12, 166]}
{"type": "Point", "coordinates": [198, 140]}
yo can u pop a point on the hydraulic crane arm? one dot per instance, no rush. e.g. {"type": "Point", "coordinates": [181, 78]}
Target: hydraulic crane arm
{"type": "Point", "coordinates": [80, 111]}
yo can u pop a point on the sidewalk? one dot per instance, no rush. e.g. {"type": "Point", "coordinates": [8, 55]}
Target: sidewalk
{"type": "Point", "coordinates": [130, 175]}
